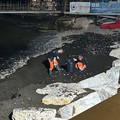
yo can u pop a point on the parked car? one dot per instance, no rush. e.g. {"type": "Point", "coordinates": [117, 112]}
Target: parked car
{"type": "Point", "coordinates": [111, 25]}
{"type": "Point", "coordinates": [100, 21]}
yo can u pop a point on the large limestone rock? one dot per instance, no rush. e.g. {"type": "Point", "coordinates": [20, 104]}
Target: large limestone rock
{"type": "Point", "coordinates": [115, 53]}
{"type": "Point", "coordinates": [86, 102]}
{"type": "Point", "coordinates": [97, 81]}
{"type": "Point", "coordinates": [34, 114]}
{"type": "Point", "coordinates": [102, 80]}
{"type": "Point", "coordinates": [60, 93]}
{"type": "Point", "coordinates": [105, 84]}
{"type": "Point", "coordinates": [79, 106]}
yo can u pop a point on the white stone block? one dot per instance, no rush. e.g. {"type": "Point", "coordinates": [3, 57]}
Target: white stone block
{"type": "Point", "coordinates": [33, 114]}
{"type": "Point", "coordinates": [115, 53]}
{"type": "Point", "coordinates": [60, 93]}
{"type": "Point", "coordinates": [79, 106]}
{"type": "Point", "coordinates": [95, 82]}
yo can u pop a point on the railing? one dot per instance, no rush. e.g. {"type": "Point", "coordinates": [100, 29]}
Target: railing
{"type": "Point", "coordinates": [30, 6]}
{"type": "Point", "coordinates": [5, 6]}
{"type": "Point", "coordinates": [44, 6]}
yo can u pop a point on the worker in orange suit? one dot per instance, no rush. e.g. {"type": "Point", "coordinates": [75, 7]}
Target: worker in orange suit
{"type": "Point", "coordinates": [81, 63]}
{"type": "Point", "coordinates": [53, 62]}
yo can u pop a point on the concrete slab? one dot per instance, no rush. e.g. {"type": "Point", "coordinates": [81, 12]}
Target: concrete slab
{"type": "Point", "coordinates": [107, 110]}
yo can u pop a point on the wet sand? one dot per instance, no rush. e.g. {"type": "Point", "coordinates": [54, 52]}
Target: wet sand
{"type": "Point", "coordinates": [18, 90]}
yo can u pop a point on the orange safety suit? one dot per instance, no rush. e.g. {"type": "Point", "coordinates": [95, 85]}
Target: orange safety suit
{"type": "Point", "coordinates": [52, 63]}
{"type": "Point", "coordinates": [80, 65]}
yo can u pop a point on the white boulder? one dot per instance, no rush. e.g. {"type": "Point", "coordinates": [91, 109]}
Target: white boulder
{"type": "Point", "coordinates": [79, 106]}
{"type": "Point", "coordinates": [60, 93]}
{"type": "Point", "coordinates": [97, 81]}
{"type": "Point", "coordinates": [33, 114]}
{"type": "Point", "coordinates": [115, 53]}
{"type": "Point", "coordinates": [102, 80]}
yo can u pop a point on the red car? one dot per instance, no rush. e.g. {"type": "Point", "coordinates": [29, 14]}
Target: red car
{"type": "Point", "coordinates": [111, 25]}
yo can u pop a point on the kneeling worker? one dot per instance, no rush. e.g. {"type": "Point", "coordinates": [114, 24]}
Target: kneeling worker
{"type": "Point", "coordinates": [81, 63]}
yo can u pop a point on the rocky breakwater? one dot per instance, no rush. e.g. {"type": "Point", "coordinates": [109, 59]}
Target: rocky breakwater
{"type": "Point", "coordinates": [75, 98]}
{"type": "Point", "coordinates": [105, 85]}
